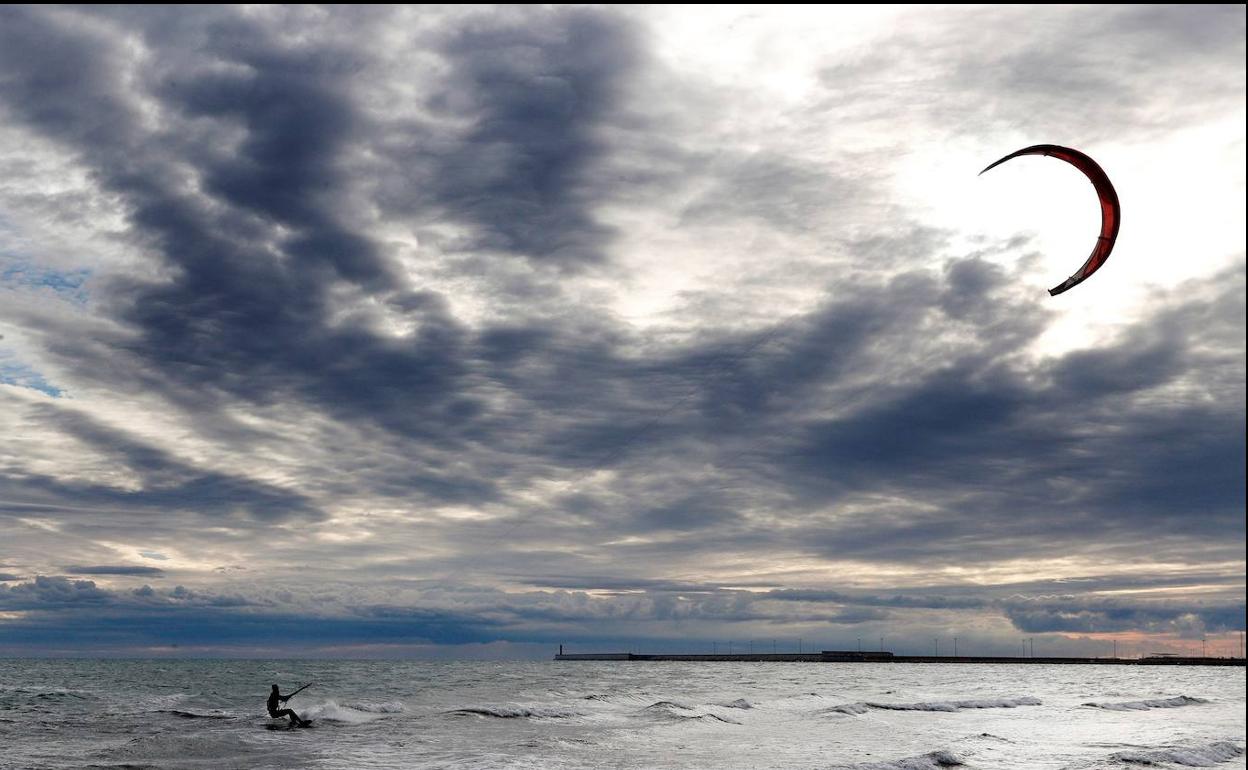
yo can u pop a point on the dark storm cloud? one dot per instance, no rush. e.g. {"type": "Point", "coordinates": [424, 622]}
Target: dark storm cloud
{"type": "Point", "coordinates": [245, 311]}
{"type": "Point", "coordinates": [120, 569]}
{"type": "Point", "coordinates": [52, 593]}
{"type": "Point", "coordinates": [1085, 435]}
{"type": "Point", "coordinates": [995, 447]}
{"type": "Point", "coordinates": [238, 318]}
{"type": "Point", "coordinates": [444, 615]}
{"type": "Point", "coordinates": [538, 93]}
{"type": "Point", "coordinates": [56, 593]}
{"type": "Point", "coordinates": [1096, 615]}
{"type": "Point", "coordinates": [126, 631]}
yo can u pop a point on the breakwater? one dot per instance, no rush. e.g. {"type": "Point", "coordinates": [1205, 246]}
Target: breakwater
{"type": "Point", "coordinates": [835, 656]}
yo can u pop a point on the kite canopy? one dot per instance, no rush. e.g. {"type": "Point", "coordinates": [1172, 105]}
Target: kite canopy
{"type": "Point", "coordinates": [1111, 215]}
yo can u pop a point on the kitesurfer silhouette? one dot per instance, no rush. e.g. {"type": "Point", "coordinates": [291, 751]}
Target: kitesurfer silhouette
{"type": "Point", "coordinates": [275, 697]}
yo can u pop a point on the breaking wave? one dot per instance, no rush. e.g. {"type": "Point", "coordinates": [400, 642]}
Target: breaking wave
{"type": "Point", "coordinates": [516, 712]}
{"type": "Point", "coordinates": [619, 698]}
{"type": "Point", "coordinates": [668, 704]}
{"type": "Point", "coordinates": [1144, 705]}
{"type": "Point", "coordinates": [956, 705]}
{"type": "Point", "coordinates": [680, 712]}
{"type": "Point", "coordinates": [1194, 756]}
{"type": "Point", "coordinates": [355, 713]}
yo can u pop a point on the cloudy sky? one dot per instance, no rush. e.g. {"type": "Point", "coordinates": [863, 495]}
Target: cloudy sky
{"type": "Point", "coordinates": [467, 332]}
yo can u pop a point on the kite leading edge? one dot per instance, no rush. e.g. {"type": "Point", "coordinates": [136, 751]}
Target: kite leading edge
{"type": "Point", "coordinates": [1111, 215]}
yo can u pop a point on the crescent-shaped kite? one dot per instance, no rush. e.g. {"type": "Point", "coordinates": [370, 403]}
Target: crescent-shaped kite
{"type": "Point", "coordinates": [1111, 213]}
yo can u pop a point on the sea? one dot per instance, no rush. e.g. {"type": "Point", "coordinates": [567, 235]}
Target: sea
{"type": "Point", "coordinates": [419, 714]}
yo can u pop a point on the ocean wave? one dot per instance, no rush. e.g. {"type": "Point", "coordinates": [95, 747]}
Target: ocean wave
{"type": "Point", "coordinates": [193, 715]}
{"type": "Point", "coordinates": [348, 713]}
{"type": "Point", "coordinates": [674, 711]}
{"type": "Point", "coordinates": [618, 697]}
{"type": "Point", "coordinates": [1193, 756]}
{"type": "Point", "coordinates": [517, 712]}
{"type": "Point", "coordinates": [853, 709]}
{"type": "Point", "coordinates": [706, 717]}
{"type": "Point", "coordinates": [668, 704]}
{"type": "Point", "coordinates": [930, 761]}
{"type": "Point", "coordinates": [739, 703]}
{"type": "Point", "coordinates": [1145, 705]}
{"type": "Point", "coordinates": [956, 705]}
{"type": "Point", "coordinates": [21, 694]}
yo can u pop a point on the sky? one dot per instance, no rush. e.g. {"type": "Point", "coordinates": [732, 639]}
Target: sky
{"type": "Point", "coordinates": [467, 332]}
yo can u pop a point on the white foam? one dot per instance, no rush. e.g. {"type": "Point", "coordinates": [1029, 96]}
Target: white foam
{"type": "Point", "coordinates": [1193, 756]}
{"type": "Point", "coordinates": [388, 707]}
{"type": "Point", "coordinates": [356, 713]}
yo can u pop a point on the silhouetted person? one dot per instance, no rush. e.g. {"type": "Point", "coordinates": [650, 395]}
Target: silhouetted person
{"type": "Point", "coordinates": [276, 697]}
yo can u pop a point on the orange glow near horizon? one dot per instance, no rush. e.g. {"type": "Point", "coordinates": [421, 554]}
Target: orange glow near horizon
{"type": "Point", "coordinates": [1138, 644]}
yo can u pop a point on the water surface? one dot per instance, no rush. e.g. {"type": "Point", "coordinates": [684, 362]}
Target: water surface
{"type": "Point", "coordinates": [400, 714]}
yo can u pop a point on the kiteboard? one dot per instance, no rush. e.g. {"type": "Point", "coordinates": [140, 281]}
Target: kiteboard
{"type": "Point", "coordinates": [278, 724]}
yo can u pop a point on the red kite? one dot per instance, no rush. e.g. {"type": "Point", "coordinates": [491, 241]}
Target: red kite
{"type": "Point", "coordinates": [1111, 213]}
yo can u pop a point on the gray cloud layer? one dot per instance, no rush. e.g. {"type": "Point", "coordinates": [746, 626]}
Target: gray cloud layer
{"type": "Point", "coordinates": [363, 329]}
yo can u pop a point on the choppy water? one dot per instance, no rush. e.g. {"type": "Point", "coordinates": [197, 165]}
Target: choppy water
{"type": "Point", "coordinates": [398, 714]}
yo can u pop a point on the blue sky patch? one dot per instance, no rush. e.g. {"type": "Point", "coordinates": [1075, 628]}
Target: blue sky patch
{"type": "Point", "coordinates": [69, 285]}
{"type": "Point", "coordinates": [14, 372]}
